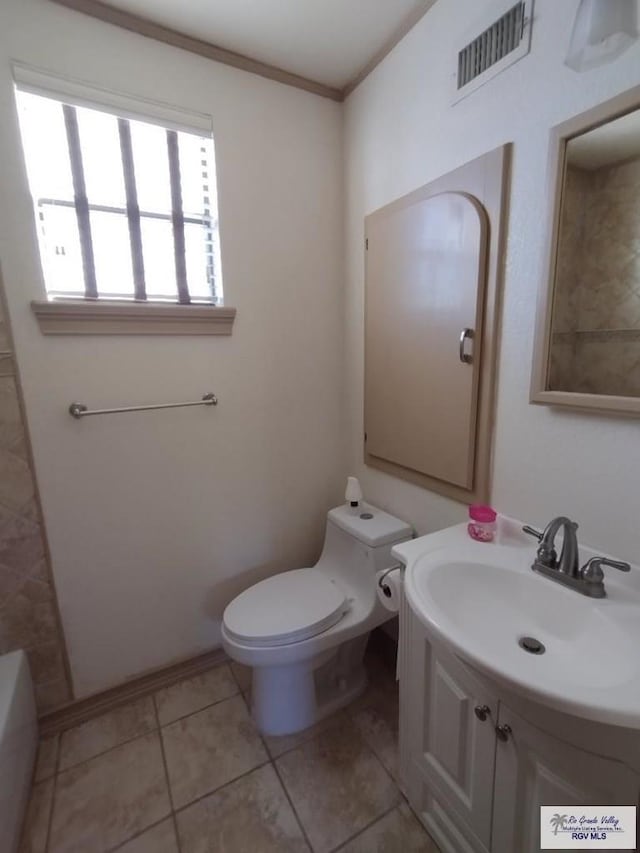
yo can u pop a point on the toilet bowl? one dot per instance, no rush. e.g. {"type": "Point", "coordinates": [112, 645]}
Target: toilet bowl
{"type": "Point", "coordinates": [304, 632]}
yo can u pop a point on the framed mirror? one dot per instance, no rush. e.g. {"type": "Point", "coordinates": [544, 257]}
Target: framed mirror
{"type": "Point", "coordinates": [587, 350]}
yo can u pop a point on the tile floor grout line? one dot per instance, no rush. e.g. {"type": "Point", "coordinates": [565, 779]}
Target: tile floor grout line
{"type": "Point", "coordinates": [150, 693]}
{"type": "Point", "coordinates": [245, 699]}
{"type": "Point", "coordinates": [374, 752]}
{"type": "Point", "coordinates": [382, 814]}
{"type": "Point", "coordinates": [293, 808]}
{"type": "Point", "coordinates": [62, 732]}
{"type": "Point", "coordinates": [289, 749]}
{"type": "Point", "coordinates": [420, 823]}
{"type": "Point", "coordinates": [220, 787]}
{"type": "Point", "coordinates": [56, 774]}
{"type": "Point", "coordinates": [272, 761]}
{"type": "Point", "coordinates": [364, 740]}
{"type": "Point", "coordinates": [236, 679]}
{"type": "Point", "coordinates": [156, 727]}
{"type": "Point", "coordinates": [273, 757]}
{"type": "Point", "coordinates": [174, 819]}
{"type": "Point", "coordinates": [350, 716]}
{"type": "Point", "coordinates": [141, 693]}
{"type": "Point", "coordinates": [387, 772]}
{"type": "Point", "coordinates": [137, 835]}
{"type": "Point", "coordinates": [150, 731]}
{"type": "Point", "coordinates": [197, 711]}
{"type": "Point", "coordinates": [355, 835]}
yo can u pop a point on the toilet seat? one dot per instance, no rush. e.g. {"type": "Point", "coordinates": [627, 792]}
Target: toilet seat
{"type": "Point", "coordinates": [286, 608]}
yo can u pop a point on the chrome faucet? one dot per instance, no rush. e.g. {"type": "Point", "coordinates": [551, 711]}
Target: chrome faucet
{"type": "Point", "coordinates": [589, 580]}
{"type": "Point", "coordinates": [547, 556]}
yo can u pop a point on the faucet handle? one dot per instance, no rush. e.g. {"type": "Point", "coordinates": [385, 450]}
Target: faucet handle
{"type": "Point", "coordinates": [592, 572]}
{"type": "Point", "coordinates": [537, 534]}
{"type": "Point", "coordinates": [546, 553]}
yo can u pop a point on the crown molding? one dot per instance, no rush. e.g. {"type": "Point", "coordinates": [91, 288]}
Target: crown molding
{"type": "Point", "coordinates": [174, 38]}
{"type": "Point", "coordinates": [145, 27]}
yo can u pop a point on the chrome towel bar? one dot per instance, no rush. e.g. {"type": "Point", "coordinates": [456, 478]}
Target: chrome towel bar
{"type": "Point", "coordinates": [79, 410]}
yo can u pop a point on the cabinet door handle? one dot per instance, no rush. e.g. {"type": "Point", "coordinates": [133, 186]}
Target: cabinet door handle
{"type": "Point", "coordinates": [482, 712]}
{"type": "Point", "coordinates": [503, 732]}
{"type": "Point", "coordinates": [465, 357]}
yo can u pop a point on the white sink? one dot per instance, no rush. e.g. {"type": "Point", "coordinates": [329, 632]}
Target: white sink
{"type": "Point", "coordinates": [482, 598]}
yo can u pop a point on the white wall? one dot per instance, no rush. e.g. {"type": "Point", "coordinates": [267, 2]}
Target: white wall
{"type": "Point", "coordinates": [156, 520]}
{"type": "Point", "coordinates": [401, 132]}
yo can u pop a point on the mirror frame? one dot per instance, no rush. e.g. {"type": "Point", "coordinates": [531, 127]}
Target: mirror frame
{"type": "Point", "coordinates": [560, 135]}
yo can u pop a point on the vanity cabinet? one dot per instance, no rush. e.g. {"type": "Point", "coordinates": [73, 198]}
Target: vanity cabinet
{"type": "Point", "coordinates": [533, 768]}
{"type": "Point", "coordinates": [475, 770]}
{"type": "Point", "coordinates": [447, 743]}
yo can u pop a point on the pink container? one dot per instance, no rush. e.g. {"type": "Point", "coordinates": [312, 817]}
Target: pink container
{"type": "Point", "coordinates": [482, 523]}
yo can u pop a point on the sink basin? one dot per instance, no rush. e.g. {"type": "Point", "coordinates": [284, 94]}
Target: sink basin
{"type": "Point", "coordinates": [483, 598]}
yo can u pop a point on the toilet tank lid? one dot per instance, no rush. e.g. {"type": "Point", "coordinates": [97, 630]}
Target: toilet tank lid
{"type": "Point", "coordinates": [380, 529]}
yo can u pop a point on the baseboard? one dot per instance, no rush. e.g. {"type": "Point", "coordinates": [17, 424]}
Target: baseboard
{"type": "Point", "coordinates": [85, 709]}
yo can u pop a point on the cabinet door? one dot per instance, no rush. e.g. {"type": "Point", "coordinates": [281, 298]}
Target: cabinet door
{"type": "Point", "coordinates": [426, 274]}
{"type": "Point", "coordinates": [534, 769]}
{"type": "Point", "coordinates": [446, 749]}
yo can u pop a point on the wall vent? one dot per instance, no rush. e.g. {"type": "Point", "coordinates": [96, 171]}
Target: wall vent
{"type": "Point", "coordinates": [501, 44]}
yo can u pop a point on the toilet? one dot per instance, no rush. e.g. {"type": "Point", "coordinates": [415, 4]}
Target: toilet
{"type": "Point", "coordinates": [304, 632]}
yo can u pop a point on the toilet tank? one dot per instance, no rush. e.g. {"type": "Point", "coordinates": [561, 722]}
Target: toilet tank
{"type": "Point", "coordinates": [370, 525]}
{"type": "Point", "coordinates": [357, 545]}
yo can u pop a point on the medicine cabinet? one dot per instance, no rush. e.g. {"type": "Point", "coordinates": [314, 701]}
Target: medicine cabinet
{"type": "Point", "coordinates": [433, 269]}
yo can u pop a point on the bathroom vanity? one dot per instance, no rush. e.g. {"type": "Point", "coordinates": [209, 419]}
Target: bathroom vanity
{"type": "Point", "coordinates": [515, 691]}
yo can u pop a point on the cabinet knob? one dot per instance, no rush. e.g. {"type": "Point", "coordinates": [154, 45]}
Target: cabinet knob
{"type": "Point", "coordinates": [482, 712]}
{"type": "Point", "coordinates": [503, 732]}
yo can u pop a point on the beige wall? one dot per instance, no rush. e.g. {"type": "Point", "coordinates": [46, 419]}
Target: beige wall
{"type": "Point", "coordinates": [28, 612]}
{"type": "Point", "coordinates": [155, 520]}
{"type": "Point", "coordinates": [596, 343]}
{"type": "Point", "coordinates": [401, 132]}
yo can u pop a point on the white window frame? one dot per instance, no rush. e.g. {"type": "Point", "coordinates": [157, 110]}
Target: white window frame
{"type": "Point", "coordinates": [106, 315]}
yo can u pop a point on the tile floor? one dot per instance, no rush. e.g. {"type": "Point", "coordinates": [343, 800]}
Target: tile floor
{"type": "Point", "coordinates": [185, 771]}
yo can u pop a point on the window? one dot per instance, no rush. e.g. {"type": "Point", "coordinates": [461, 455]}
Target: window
{"type": "Point", "coordinates": [126, 208]}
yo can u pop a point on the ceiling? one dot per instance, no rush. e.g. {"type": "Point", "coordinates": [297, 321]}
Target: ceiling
{"type": "Point", "coordinates": [610, 143]}
{"type": "Point", "coordinates": [331, 42]}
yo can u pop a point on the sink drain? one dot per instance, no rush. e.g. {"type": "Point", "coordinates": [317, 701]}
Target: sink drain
{"type": "Point", "coordinates": [531, 645]}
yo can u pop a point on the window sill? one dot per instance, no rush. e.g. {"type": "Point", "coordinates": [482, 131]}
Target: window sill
{"type": "Point", "coordinates": [131, 318]}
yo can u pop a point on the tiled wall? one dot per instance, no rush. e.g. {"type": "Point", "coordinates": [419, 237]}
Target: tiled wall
{"type": "Point", "coordinates": [28, 612]}
{"type": "Point", "coordinates": [596, 343]}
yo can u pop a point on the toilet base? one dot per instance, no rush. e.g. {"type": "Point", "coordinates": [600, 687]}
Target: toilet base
{"type": "Point", "coordinates": [330, 701]}
{"type": "Point", "coordinates": [288, 699]}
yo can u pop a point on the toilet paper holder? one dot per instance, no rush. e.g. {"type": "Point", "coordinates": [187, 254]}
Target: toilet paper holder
{"type": "Point", "coordinates": [384, 586]}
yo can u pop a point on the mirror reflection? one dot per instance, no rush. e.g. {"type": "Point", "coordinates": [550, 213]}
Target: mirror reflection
{"type": "Point", "coordinates": [595, 329]}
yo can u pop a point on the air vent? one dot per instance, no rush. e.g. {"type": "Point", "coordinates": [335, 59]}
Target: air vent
{"type": "Point", "coordinates": [506, 41]}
